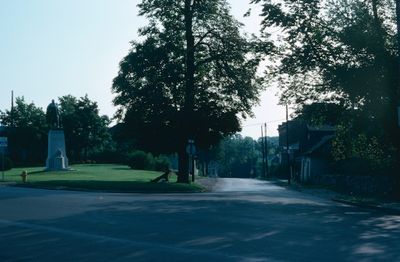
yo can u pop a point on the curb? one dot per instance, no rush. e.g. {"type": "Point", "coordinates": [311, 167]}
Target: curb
{"type": "Point", "coordinates": [392, 211]}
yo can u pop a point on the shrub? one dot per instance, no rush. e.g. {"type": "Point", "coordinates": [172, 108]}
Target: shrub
{"type": "Point", "coordinates": [8, 164]}
{"type": "Point", "coordinates": [161, 163]}
{"type": "Point", "coordinates": [140, 160]}
{"type": "Point", "coordinates": [279, 171]}
{"type": "Point", "coordinates": [109, 157]}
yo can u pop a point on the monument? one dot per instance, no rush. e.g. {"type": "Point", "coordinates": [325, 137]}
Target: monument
{"type": "Point", "coordinates": [56, 155]}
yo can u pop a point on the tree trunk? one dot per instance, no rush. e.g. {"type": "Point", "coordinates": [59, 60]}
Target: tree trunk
{"type": "Point", "coordinates": [398, 27]}
{"type": "Point", "coordinates": [188, 132]}
{"type": "Point", "coordinates": [189, 77]}
{"type": "Point", "coordinates": [375, 11]}
{"type": "Point", "coordinates": [398, 47]}
{"type": "Point", "coordinates": [397, 91]}
{"type": "Point", "coordinates": [382, 55]}
{"type": "Point", "coordinates": [183, 162]}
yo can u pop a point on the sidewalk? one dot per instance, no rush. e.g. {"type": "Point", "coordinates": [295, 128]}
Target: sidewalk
{"type": "Point", "coordinates": [7, 183]}
{"type": "Point", "coordinates": [388, 206]}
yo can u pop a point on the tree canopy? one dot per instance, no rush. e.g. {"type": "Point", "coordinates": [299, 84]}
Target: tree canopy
{"type": "Point", "coordinates": [28, 132]}
{"type": "Point", "coordinates": [85, 130]}
{"type": "Point", "coordinates": [192, 76]}
{"type": "Point", "coordinates": [341, 52]}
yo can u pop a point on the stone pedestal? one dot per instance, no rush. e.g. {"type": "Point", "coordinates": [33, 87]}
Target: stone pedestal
{"type": "Point", "coordinates": [56, 156]}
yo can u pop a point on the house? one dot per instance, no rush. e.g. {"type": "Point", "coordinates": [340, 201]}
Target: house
{"type": "Point", "coordinates": [297, 132]}
{"type": "Point", "coordinates": [213, 167]}
{"type": "Point", "coordinates": [315, 161]}
{"type": "Point", "coordinates": [309, 148]}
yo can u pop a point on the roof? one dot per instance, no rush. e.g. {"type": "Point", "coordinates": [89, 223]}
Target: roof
{"type": "Point", "coordinates": [294, 146]}
{"type": "Point", "coordinates": [326, 128]}
{"type": "Point", "coordinates": [318, 145]}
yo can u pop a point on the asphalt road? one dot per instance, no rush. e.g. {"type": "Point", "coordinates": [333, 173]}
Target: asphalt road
{"type": "Point", "coordinates": [244, 220]}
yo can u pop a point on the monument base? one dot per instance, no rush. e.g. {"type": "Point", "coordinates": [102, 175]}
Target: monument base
{"type": "Point", "coordinates": [56, 156]}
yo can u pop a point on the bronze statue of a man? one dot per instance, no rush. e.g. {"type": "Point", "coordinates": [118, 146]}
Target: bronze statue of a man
{"type": "Point", "coordinates": [53, 116]}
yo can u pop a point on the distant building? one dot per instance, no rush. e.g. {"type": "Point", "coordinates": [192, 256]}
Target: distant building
{"type": "Point", "coordinates": [315, 161]}
{"type": "Point", "coordinates": [297, 133]}
{"type": "Point", "coordinates": [213, 167]}
{"type": "Point", "coordinates": [309, 148]}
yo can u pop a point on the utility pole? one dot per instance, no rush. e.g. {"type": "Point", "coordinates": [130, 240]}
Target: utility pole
{"type": "Point", "coordinates": [263, 152]}
{"type": "Point", "coordinates": [287, 145]}
{"type": "Point", "coordinates": [12, 108]}
{"type": "Point", "coordinates": [266, 150]}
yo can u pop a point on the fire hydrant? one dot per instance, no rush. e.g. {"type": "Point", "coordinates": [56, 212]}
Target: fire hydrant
{"type": "Point", "coordinates": [24, 176]}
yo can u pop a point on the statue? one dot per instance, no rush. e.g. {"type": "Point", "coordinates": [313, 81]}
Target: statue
{"type": "Point", "coordinates": [56, 153]}
{"type": "Point", "coordinates": [53, 116]}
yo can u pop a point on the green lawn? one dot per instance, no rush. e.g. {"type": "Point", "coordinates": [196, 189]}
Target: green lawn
{"type": "Point", "coordinates": [113, 178]}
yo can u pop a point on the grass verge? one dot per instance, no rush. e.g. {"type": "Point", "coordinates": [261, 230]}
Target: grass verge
{"type": "Point", "coordinates": [110, 178]}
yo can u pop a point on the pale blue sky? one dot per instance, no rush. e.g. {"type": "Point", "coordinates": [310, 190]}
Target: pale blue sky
{"type": "Point", "coordinates": [50, 48]}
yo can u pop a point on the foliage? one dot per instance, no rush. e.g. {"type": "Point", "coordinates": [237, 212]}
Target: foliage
{"type": "Point", "coordinates": [279, 171]}
{"type": "Point", "coordinates": [362, 147]}
{"type": "Point", "coordinates": [24, 115]}
{"type": "Point", "coordinates": [238, 157]}
{"type": "Point", "coordinates": [27, 132]}
{"type": "Point", "coordinates": [8, 164]}
{"type": "Point", "coordinates": [336, 50]}
{"type": "Point", "coordinates": [190, 77]}
{"type": "Point", "coordinates": [318, 114]}
{"type": "Point", "coordinates": [344, 53]}
{"type": "Point", "coordinates": [108, 156]}
{"type": "Point", "coordinates": [86, 132]}
{"type": "Point", "coordinates": [339, 149]}
{"type": "Point", "coordinates": [146, 161]}
{"type": "Point", "coordinates": [140, 160]}
{"type": "Point", "coordinates": [161, 163]}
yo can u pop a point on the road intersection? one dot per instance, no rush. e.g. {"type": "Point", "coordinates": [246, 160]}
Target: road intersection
{"type": "Point", "coordinates": [243, 220]}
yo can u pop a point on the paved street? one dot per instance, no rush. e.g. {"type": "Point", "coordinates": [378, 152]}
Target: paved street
{"type": "Point", "coordinates": [244, 220]}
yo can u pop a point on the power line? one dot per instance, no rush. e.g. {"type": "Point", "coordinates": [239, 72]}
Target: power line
{"type": "Point", "coordinates": [261, 123]}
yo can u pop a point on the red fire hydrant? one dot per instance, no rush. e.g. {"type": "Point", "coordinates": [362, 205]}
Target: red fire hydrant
{"type": "Point", "coordinates": [24, 176]}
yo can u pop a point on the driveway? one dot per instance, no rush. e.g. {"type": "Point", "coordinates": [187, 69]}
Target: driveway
{"type": "Point", "coordinates": [243, 220]}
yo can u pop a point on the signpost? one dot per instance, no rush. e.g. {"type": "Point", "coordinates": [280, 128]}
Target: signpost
{"type": "Point", "coordinates": [3, 145]}
{"type": "Point", "coordinates": [398, 115]}
{"type": "Point", "coordinates": [191, 151]}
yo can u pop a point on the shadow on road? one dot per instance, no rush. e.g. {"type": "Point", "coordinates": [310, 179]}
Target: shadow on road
{"type": "Point", "coordinates": [272, 224]}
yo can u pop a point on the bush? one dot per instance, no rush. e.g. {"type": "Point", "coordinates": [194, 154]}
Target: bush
{"type": "Point", "coordinates": [279, 171]}
{"type": "Point", "coordinates": [161, 163]}
{"type": "Point", "coordinates": [8, 164]}
{"type": "Point", "coordinates": [109, 157]}
{"type": "Point", "coordinates": [359, 166]}
{"type": "Point", "coordinates": [140, 160]}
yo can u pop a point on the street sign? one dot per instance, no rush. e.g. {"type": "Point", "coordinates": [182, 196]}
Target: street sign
{"type": "Point", "coordinates": [3, 142]}
{"type": "Point", "coordinates": [191, 148]}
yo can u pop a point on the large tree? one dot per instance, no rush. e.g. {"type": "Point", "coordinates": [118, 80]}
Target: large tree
{"type": "Point", "coordinates": [238, 157]}
{"type": "Point", "coordinates": [339, 51]}
{"type": "Point", "coordinates": [27, 132]}
{"type": "Point", "coordinates": [85, 130]}
{"type": "Point", "coordinates": [189, 78]}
